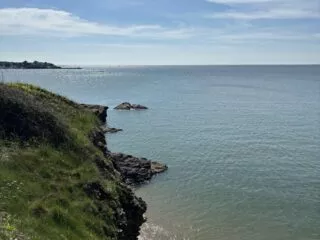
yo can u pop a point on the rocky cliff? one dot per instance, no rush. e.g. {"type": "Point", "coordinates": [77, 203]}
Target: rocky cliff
{"type": "Point", "coordinates": [57, 178]}
{"type": "Point", "coordinates": [133, 170]}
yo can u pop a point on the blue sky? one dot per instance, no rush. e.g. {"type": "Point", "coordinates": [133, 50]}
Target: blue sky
{"type": "Point", "coordinates": [165, 32]}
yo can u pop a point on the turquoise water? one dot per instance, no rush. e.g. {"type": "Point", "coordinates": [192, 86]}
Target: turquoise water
{"type": "Point", "coordinates": [242, 144]}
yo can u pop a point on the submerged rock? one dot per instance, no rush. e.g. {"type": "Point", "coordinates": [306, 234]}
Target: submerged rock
{"type": "Point", "coordinates": [129, 106]}
{"type": "Point", "coordinates": [136, 170]}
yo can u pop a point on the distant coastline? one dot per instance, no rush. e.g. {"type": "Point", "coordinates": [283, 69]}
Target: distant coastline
{"type": "Point", "coordinates": [31, 65]}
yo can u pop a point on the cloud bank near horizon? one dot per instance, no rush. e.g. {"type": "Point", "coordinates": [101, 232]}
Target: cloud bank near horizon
{"type": "Point", "coordinates": [208, 26]}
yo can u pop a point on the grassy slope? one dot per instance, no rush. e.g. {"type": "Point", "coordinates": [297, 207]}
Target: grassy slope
{"type": "Point", "coordinates": [44, 167]}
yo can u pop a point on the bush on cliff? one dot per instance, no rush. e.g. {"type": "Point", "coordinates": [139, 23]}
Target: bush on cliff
{"type": "Point", "coordinates": [54, 183]}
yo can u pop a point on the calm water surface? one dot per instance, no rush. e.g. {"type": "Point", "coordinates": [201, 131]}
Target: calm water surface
{"type": "Point", "coordinates": [242, 144]}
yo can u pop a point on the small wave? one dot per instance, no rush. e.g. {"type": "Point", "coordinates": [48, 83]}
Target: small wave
{"type": "Point", "coordinates": [152, 231]}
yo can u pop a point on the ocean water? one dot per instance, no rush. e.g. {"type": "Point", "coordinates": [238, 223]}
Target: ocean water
{"type": "Point", "coordinates": [242, 144]}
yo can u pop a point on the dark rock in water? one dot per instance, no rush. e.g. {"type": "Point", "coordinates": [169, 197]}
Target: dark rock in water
{"type": "Point", "coordinates": [111, 130]}
{"type": "Point", "coordinates": [123, 106]}
{"type": "Point", "coordinates": [138, 107]}
{"type": "Point", "coordinates": [136, 170]}
{"type": "Point", "coordinates": [157, 168]}
{"type": "Point", "coordinates": [128, 106]}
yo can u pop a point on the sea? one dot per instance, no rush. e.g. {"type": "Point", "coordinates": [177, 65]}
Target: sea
{"type": "Point", "coordinates": [242, 144]}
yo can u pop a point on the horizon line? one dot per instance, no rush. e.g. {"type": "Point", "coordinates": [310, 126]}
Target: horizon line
{"type": "Point", "coordinates": [183, 65]}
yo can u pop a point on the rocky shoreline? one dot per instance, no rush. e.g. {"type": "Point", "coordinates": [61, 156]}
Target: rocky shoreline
{"type": "Point", "coordinates": [133, 171]}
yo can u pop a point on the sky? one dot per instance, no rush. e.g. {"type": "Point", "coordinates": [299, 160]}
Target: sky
{"type": "Point", "coordinates": [161, 32]}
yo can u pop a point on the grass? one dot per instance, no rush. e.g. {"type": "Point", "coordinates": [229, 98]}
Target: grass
{"type": "Point", "coordinates": [46, 159]}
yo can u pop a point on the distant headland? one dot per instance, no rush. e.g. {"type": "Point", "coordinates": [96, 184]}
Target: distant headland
{"type": "Point", "coordinates": [31, 65]}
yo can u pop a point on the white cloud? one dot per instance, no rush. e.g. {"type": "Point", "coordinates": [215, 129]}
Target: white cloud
{"type": "Point", "coordinates": [51, 22]}
{"type": "Point", "coordinates": [268, 9]}
{"type": "Point", "coordinates": [269, 14]}
{"type": "Point", "coordinates": [301, 3]}
{"type": "Point", "coordinates": [268, 35]}
{"type": "Point", "coordinates": [35, 21]}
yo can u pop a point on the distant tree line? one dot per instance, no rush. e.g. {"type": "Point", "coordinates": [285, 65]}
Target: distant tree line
{"type": "Point", "coordinates": [28, 65]}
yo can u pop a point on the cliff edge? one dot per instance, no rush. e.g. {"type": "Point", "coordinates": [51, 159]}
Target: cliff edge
{"type": "Point", "coordinates": [57, 178]}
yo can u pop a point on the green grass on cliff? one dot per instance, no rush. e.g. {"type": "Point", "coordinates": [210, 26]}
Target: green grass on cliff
{"type": "Point", "coordinates": [46, 159]}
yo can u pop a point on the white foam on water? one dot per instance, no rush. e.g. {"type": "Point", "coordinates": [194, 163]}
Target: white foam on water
{"type": "Point", "coordinates": [150, 231]}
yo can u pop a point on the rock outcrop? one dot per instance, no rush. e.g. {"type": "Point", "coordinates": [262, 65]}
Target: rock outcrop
{"type": "Point", "coordinates": [111, 130]}
{"type": "Point", "coordinates": [100, 111]}
{"type": "Point", "coordinates": [138, 107]}
{"type": "Point", "coordinates": [134, 170]}
{"type": "Point", "coordinates": [129, 106]}
{"type": "Point", "coordinates": [123, 106]}
{"type": "Point", "coordinates": [129, 217]}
